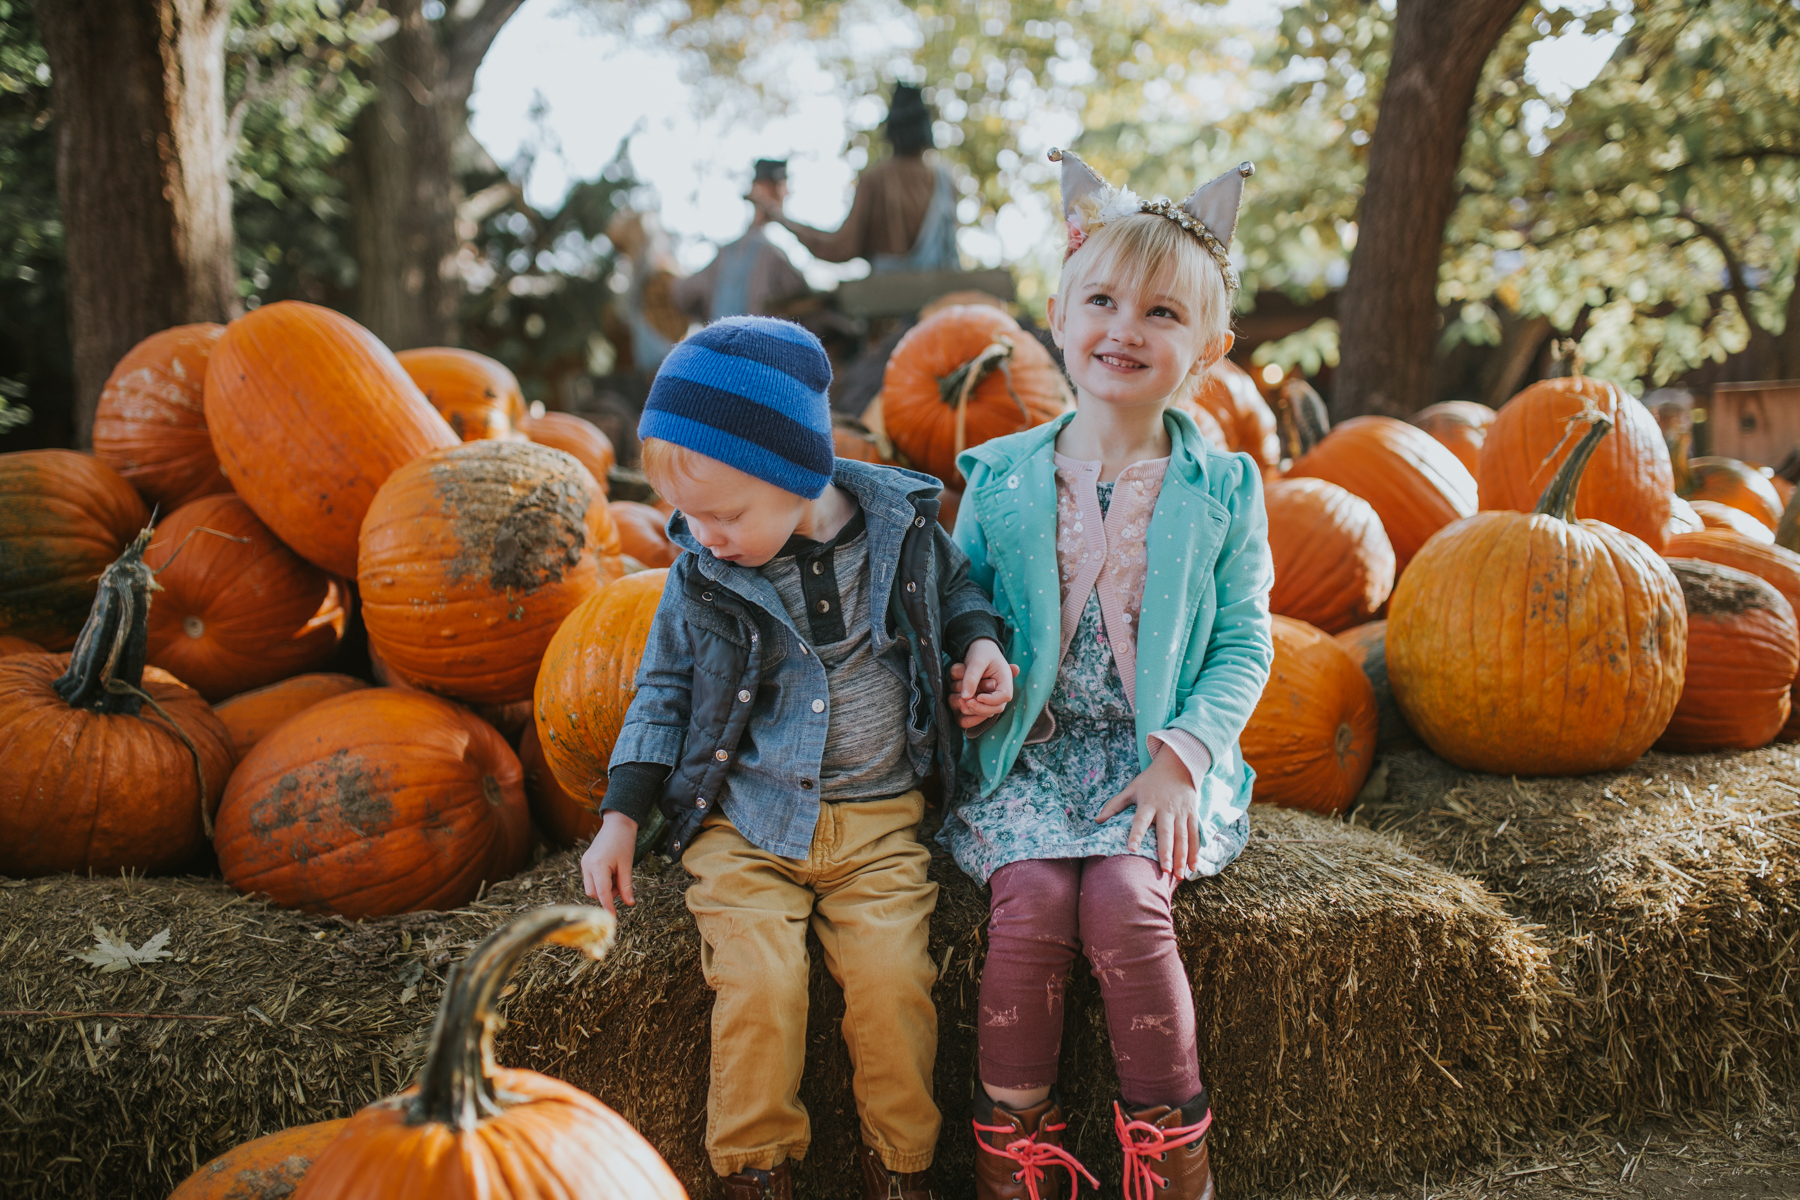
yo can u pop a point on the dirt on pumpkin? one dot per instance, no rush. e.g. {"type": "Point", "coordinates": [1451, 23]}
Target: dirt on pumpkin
{"type": "Point", "coordinates": [521, 523]}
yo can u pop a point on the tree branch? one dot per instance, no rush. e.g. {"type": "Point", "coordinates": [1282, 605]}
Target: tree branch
{"type": "Point", "coordinates": [1734, 274]}
{"type": "Point", "coordinates": [469, 45]}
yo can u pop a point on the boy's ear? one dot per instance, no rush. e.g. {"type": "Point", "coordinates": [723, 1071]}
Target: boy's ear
{"type": "Point", "coordinates": [1053, 317]}
{"type": "Point", "coordinates": [1215, 350]}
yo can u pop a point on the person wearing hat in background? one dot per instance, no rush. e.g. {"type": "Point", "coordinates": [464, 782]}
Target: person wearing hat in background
{"type": "Point", "coordinates": [903, 217]}
{"type": "Point", "coordinates": [751, 276]}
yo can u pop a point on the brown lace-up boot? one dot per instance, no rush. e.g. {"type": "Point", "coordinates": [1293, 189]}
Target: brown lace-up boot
{"type": "Point", "coordinates": [1165, 1150]}
{"type": "Point", "coordinates": [1020, 1155]}
{"type": "Point", "coordinates": [879, 1183]}
{"type": "Point", "coordinates": [751, 1184]}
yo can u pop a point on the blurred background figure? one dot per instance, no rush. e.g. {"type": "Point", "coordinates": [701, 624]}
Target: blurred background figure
{"type": "Point", "coordinates": [751, 276]}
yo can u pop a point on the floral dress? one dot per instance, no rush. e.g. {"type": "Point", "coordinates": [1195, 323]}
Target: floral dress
{"type": "Point", "coordinates": [1045, 807]}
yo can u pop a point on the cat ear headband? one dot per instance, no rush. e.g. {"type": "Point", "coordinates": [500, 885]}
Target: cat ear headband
{"type": "Point", "coordinates": [1210, 212]}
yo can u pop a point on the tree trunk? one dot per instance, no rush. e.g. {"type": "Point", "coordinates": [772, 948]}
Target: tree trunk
{"type": "Point", "coordinates": [1787, 345]}
{"type": "Point", "coordinates": [404, 188]}
{"type": "Point", "coordinates": [138, 88]}
{"type": "Point", "coordinates": [1388, 312]}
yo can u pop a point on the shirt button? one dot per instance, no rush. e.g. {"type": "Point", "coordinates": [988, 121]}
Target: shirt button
{"type": "Point", "coordinates": [912, 587]}
{"type": "Point", "coordinates": [818, 706]}
{"type": "Point", "coordinates": [806, 785]}
{"type": "Point", "coordinates": [818, 568]}
{"type": "Point", "coordinates": [920, 522]}
{"type": "Point", "coordinates": [824, 606]}
{"type": "Point", "coordinates": [721, 755]}
{"type": "Point", "coordinates": [707, 596]}
{"type": "Point", "coordinates": [699, 804]}
{"type": "Point", "coordinates": [1012, 481]}
{"type": "Point", "coordinates": [744, 696]}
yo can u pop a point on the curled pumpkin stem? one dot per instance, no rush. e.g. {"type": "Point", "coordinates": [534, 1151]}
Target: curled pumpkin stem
{"type": "Point", "coordinates": [960, 384]}
{"type": "Point", "coordinates": [1559, 498]}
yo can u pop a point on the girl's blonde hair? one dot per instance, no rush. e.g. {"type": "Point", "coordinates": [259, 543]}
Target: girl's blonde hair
{"type": "Point", "coordinates": [1147, 252]}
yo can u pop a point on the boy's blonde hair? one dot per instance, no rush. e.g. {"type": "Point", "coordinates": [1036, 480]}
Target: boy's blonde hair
{"type": "Point", "coordinates": [663, 462]}
{"type": "Point", "coordinates": [1148, 252]}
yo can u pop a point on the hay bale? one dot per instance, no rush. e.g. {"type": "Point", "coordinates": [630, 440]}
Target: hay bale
{"type": "Point", "coordinates": [1670, 895]}
{"type": "Point", "coordinates": [1362, 1012]}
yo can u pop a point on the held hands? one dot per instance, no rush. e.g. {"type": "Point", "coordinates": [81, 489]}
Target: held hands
{"type": "Point", "coordinates": [1164, 794]}
{"type": "Point", "coordinates": [986, 680]}
{"type": "Point", "coordinates": [606, 865]}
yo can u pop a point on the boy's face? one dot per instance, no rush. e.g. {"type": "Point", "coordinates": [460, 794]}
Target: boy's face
{"type": "Point", "coordinates": [1126, 345]}
{"type": "Point", "coordinates": [740, 518]}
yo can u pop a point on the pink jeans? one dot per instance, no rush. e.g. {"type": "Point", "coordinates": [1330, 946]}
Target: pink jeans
{"type": "Point", "coordinates": [1117, 909]}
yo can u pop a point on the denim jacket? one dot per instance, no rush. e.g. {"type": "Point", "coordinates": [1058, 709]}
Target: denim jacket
{"type": "Point", "coordinates": [726, 690]}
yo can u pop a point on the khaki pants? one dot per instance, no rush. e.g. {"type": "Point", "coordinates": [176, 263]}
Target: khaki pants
{"type": "Point", "coordinates": [864, 891]}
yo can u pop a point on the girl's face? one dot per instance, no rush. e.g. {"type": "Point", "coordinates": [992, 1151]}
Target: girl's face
{"type": "Point", "coordinates": [1128, 344]}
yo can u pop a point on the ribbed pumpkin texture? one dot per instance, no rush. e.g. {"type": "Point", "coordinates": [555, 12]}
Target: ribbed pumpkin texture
{"type": "Point", "coordinates": [1716, 515]}
{"type": "Point", "coordinates": [1414, 484]}
{"type": "Point", "coordinates": [64, 517]}
{"type": "Point", "coordinates": [150, 425]}
{"type": "Point", "coordinates": [574, 435]}
{"type": "Point", "coordinates": [1627, 485]}
{"type": "Point", "coordinates": [309, 415]}
{"type": "Point", "coordinates": [564, 820]}
{"type": "Point", "coordinates": [373, 803]}
{"type": "Point", "coordinates": [479, 396]}
{"type": "Point", "coordinates": [269, 1168]}
{"type": "Point", "coordinates": [1334, 565]}
{"type": "Point", "coordinates": [1016, 384]}
{"type": "Point", "coordinates": [1312, 735]}
{"type": "Point", "coordinates": [250, 716]}
{"type": "Point", "coordinates": [1534, 644]}
{"type": "Point", "coordinates": [1778, 568]}
{"type": "Point", "coordinates": [1367, 644]}
{"type": "Point", "coordinates": [237, 609]}
{"type": "Point", "coordinates": [1461, 426]}
{"type": "Point", "coordinates": [471, 558]}
{"type": "Point", "coordinates": [643, 533]}
{"type": "Point", "coordinates": [1734, 484]}
{"type": "Point", "coordinates": [1227, 392]}
{"type": "Point", "coordinates": [588, 679]}
{"type": "Point", "coordinates": [1743, 650]}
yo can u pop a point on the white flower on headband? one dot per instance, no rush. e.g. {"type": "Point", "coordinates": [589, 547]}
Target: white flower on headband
{"type": "Point", "coordinates": [1119, 202]}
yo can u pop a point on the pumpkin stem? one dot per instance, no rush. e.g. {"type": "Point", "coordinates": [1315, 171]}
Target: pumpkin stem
{"type": "Point", "coordinates": [1559, 498]}
{"type": "Point", "coordinates": [115, 641]}
{"type": "Point", "coordinates": [456, 1086]}
{"type": "Point", "coordinates": [1787, 530]}
{"type": "Point", "coordinates": [1301, 416]}
{"type": "Point", "coordinates": [1678, 462]}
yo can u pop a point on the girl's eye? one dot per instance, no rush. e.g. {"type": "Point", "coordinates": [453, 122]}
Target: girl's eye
{"type": "Point", "coordinates": [1165, 311]}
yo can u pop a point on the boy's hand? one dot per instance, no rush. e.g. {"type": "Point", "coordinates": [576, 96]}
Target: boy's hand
{"type": "Point", "coordinates": [986, 680]}
{"type": "Point", "coordinates": [606, 865]}
{"type": "Point", "coordinates": [1164, 793]}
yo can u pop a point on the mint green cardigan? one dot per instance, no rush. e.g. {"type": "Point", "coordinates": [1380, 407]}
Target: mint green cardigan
{"type": "Point", "coordinates": [1204, 641]}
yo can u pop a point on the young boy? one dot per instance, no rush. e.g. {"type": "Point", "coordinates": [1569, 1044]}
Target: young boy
{"type": "Point", "coordinates": [791, 697]}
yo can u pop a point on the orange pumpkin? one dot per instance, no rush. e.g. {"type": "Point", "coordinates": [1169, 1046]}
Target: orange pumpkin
{"type": "Point", "coordinates": [63, 518]}
{"type": "Point", "coordinates": [1461, 425]}
{"type": "Point", "coordinates": [249, 716]}
{"type": "Point", "coordinates": [643, 532]}
{"type": "Point", "coordinates": [1334, 566]}
{"type": "Point", "coordinates": [269, 1168]}
{"type": "Point", "coordinates": [1737, 485]}
{"type": "Point", "coordinates": [309, 415]}
{"type": "Point", "coordinates": [1229, 393]}
{"type": "Point", "coordinates": [1415, 485]}
{"type": "Point", "coordinates": [1209, 426]}
{"type": "Point", "coordinates": [372, 803]}
{"type": "Point", "coordinates": [1784, 490]}
{"type": "Point", "coordinates": [150, 425]}
{"type": "Point", "coordinates": [106, 764]}
{"type": "Point", "coordinates": [478, 395]}
{"type": "Point", "coordinates": [578, 436]}
{"type": "Point", "coordinates": [960, 377]}
{"type": "Point", "coordinates": [1533, 644]}
{"type": "Point", "coordinates": [1682, 519]}
{"type": "Point", "coordinates": [1778, 568]}
{"type": "Point", "coordinates": [17, 645]}
{"type": "Point", "coordinates": [470, 1128]}
{"type": "Point", "coordinates": [565, 820]}
{"type": "Point", "coordinates": [471, 558]}
{"type": "Point", "coordinates": [1743, 650]}
{"type": "Point", "coordinates": [1367, 644]}
{"type": "Point", "coordinates": [237, 609]}
{"type": "Point", "coordinates": [588, 679]}
{"type": "Point", "coordinates": [1714, 515]}
{"type": "Point", "coordinates": [1312, 735]}
{"type": "Point", "coordinates": [853, 440]}
{"type": "Point", "coordinates": [1629, 481]}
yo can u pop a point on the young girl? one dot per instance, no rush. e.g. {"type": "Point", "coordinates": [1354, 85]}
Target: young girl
{"type": "Point", "coordinates": [1131, 560]}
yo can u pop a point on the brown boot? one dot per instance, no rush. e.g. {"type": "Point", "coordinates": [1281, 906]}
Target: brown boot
{"type": "Point", "coordinates": [1021, 1155]}
{"type": "Point", "coordinates": [879, 1183]}
{"type": "Point", "coordinates": [1165, 1150]}
{"type": "Point", "coordinates": [751, 1184]}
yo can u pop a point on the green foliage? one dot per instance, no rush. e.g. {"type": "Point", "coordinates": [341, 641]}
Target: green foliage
{"type": "Point", "coordinates": [34, 339]}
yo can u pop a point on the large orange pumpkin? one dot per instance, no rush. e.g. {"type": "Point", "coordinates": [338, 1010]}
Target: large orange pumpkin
{"type": "Point", "coordinates": [1716, 515]}
{"type": "Point", "coordinates": [268, 1168]}
{"type": "Point", "coordinates": [1334, 566]}
{"type": "Point", "coordinates": [1730, 482]}
{"type": "Point", "coordinates": [1629, 481]}
{"type": "Point", "coordinates": [1312, 735]}
{"type": "Point", "coordinates": [1743, 649]}
{"type": "Point", "coordinates": [64, 517]}
{"type": "Point", "coordinates": [309, 415]}
{"type": "Point", "coordinates": [150, 425]}
{"type": "Point", "coordinates": [375, 802]}
{"type": "Point", "coordinates": [1415, 485]}
{"type": "Point", "coordinates": [588, 679]}
{"type": "Point", "coordinates": [565, 820]}
{"type": "Point", "coordinates": [1367, 644]}
{"type": "Point", "coordinates": [578, 436]}
{"type": "Point", "coordinates": [470, 1128]}
{"type": "Point", "coordinates": [478, 395]}
{"type": "Point", "coordinates": [1778, 568]}
{"type": "Point", "coordinates": [1231, 396]}
{"type": "Point", "coordinates": [237, 609]}
{"type": "Point", "coordinates": [1534, 644]}
{"type": "Point", "coordinates": [1204, 421]}
{"type": "Point", "coordinates": [17, 645]}
{"type": "Point", "coordinates": [106, 764]}
{"type": "Point", "coordinates": [963, 376]}
{"type": "Point", "coordinates": [643, 533]}
{"type": "Point", "coordinates": [250, 716]}
{"type": "Point", "coordinates": [1461, 425]}
{"type": "Point", "coordinates": [472, 556]}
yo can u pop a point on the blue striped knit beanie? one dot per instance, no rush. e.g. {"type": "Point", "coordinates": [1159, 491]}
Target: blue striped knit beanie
{"type": "Point", "coordinates": [749, 392]}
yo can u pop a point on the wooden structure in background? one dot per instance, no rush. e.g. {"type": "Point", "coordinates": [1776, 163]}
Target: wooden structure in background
{"type": "Point", "coordinates": [1755, 422]}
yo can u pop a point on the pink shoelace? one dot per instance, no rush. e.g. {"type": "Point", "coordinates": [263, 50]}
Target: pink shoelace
{"type": "Point", "coordinates": [1033, 1156]}
{"type": "Point", "coordinates": [1144, 1142]}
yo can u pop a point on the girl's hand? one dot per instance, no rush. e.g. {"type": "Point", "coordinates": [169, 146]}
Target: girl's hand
{"type": "Point", "coordinates": [986, 680]}
{"type": "Point", "coordinates": [606, 865]}
{"type": "Point", "coordinates": [1164, 793]}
